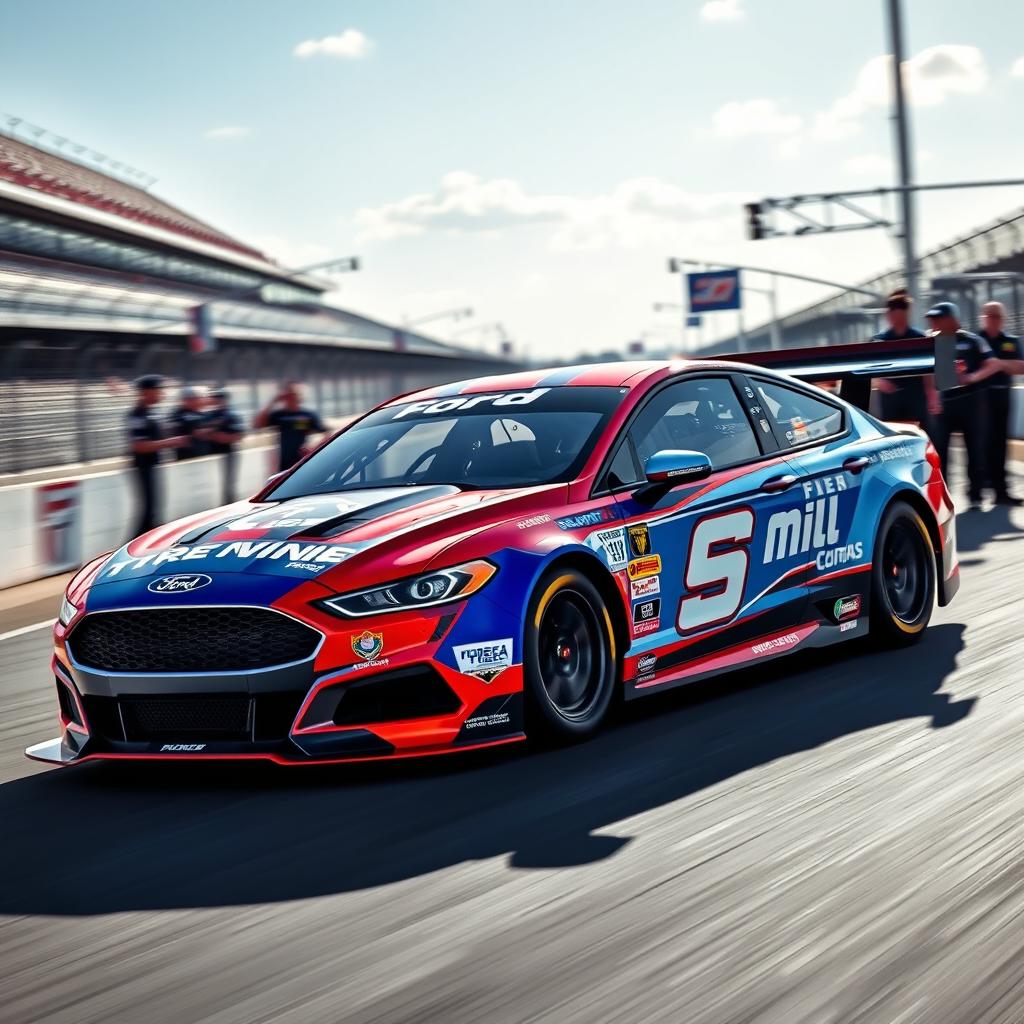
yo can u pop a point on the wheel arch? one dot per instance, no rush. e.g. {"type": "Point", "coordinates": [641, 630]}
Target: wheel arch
{"type": "Point", "coordinates": [919, 504]}
{"type": "Point", "coordinates": [598, 574]}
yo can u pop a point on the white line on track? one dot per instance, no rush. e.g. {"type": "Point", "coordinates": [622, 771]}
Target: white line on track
{"type": "Point", "coordinates": [25, 629]}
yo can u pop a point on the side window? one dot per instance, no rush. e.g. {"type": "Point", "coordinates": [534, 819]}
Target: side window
{"type": "Point", "coordinates": [799, 416]}
{"type": "Point", "coordinates": [622, 471]}
{"type": "Point", "coordinates": [701, 415]}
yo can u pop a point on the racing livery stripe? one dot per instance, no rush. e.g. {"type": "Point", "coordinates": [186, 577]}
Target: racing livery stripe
{"type": "Point", "coordinates": [770, 643]}
{"type": "Point", "coordinates": [841, 572]}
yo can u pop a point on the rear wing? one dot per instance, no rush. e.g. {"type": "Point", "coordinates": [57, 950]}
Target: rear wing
{"type": "Point", "coordinates": [854, 366]}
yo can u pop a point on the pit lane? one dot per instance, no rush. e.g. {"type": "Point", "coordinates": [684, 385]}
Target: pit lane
{"type": "Point", "coordinates": [836, 837]}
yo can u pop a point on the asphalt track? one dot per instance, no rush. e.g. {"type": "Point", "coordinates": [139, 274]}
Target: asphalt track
{"type": "Point", "coordinates": [838, 839]}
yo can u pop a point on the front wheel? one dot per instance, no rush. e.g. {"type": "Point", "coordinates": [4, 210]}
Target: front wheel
{"type": "Point", "coordinates": [902, 577]}
{"type": "Point", "coordinates": [569, 658]}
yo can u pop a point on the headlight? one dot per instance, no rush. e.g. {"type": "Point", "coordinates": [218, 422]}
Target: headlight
{"type": "Point", "coordinates": [423, 591]}
{"type": "Point", "coordinates": [67, 611]}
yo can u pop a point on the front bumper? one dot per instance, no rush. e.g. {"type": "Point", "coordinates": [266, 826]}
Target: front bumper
{"type": "Point", "coordinates": [408, 699]}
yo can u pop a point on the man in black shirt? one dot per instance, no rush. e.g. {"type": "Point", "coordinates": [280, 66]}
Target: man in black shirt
{"type": "Point", "coordinates": [188, 420]}
{"type": "Point", "coordinates": [1005, 346]}
{"type": "Point", "coordinates": [902, 399]}
{"type": "Point", "coordinates": [223, 429]}
{"type": "Point", "coordinates": [146, 438]}
{"type": "Point", "coordinates": [295, 424]}
{"type": "Point", "coordinates": [961, 408]}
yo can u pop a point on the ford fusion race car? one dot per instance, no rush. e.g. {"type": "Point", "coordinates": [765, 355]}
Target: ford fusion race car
{"type": "Point", "coordinates": [495, 559]}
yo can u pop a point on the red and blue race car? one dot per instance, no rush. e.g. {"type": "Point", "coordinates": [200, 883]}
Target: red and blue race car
{"type": "Point", "coordinates": [495, 559]}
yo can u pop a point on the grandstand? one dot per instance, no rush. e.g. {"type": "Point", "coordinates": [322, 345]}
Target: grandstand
{"type": "Point", "coordinates": [100, 282]}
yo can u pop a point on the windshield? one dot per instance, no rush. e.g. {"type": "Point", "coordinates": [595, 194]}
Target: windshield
{"type": "Point", "coordinates": [494, 440]}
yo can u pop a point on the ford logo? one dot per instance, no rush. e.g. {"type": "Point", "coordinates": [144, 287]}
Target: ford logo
{"type": "Point", "coordinates": [181, 583]}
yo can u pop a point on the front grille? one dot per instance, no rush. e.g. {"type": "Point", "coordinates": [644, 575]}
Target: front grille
{"type": "Point", "coordinates": [192, 717]}
{"type": "Point", "coordinates": [265, 717]}
{"type": "Point", "coordinates": [190, 640]}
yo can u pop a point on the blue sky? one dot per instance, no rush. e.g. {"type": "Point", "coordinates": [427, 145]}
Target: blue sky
{"type": "Point", "coordinates": [538, 161]}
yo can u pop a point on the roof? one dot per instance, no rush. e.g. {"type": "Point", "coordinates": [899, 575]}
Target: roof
{"type": "Point", "coordinates": [35, 168]}
{"type": "Point", "coordinates": [618, 374]}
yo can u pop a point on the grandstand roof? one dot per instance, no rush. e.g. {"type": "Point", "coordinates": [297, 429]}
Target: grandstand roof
{"type": "Point", "coordinates": [31, 167]}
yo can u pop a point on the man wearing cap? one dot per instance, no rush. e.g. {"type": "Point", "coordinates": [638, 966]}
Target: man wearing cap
{"type": "Point", "coordinates": [146, 437]}
{"type": "Point", "coordinates": [223, 429]}
{"type": "Point", "coordinates": [1006, 347]}
{"type": "Point", "coordinates": [188, 420]}
{"type": "Point", "coordinates": [902, 399]}
{"type": "Point", "coordinates": [959, 409]}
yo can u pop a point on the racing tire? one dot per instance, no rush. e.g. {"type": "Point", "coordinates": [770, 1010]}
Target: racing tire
{"type": "Point", "coordinates": [569, 659]}
{"type": "Point", "coordinates": [902, 577]}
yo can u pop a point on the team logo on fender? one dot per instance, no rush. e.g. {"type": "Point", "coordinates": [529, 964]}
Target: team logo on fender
{"type": "Point", "coordinates": [368, 645]}
{"type": "Point", "coordinates": [846, 608]}
{"type": "Point", "coordinates": [641, 567]}
{"type": "Point", "coordinates": [613, 543]}
{"type": "Point", "coordinates": [485, 660]}
{"type": "Point", "coordinates": [180, 583]}
{"type": "Point", "coordinates": [639, 540]}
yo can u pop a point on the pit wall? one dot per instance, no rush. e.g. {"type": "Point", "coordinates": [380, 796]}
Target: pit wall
{"type": "Point", "coordinates": [53, 526]}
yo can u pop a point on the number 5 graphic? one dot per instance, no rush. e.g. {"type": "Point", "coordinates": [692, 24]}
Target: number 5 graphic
{"type": "Point", "coordinates": [716, 569]}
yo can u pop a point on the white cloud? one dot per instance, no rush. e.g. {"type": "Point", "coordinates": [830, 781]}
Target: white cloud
{"type": "Point", "coordinates": [869, 165]}
{"type": "Point", "coordinates": [930, 77]}
{"type": "Point", "coordinates": [741, 119]}
{"type": "Point", "coordinates": [228, 131]}
{"type": "Point", "coordinates": [633, 213]}
{"type": "Point", "coordinates": [349, 45]}
{"type": "Point", "coordinates": [723, 10]}
{"type": "Point", "coordinates": [1018, 68]}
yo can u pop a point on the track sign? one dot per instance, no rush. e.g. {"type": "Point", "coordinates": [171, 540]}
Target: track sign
{"type": "Point", "coordinates": [713, 290]}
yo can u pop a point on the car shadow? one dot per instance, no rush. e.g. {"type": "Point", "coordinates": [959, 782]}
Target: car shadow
{"type": "Point", "coordinates": [102, 839]}
{"type": "Point", "coordinates": [975, 529]}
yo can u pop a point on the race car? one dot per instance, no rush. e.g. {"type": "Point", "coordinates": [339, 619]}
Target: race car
{"type": "Point", "coordinates": [501, 558]}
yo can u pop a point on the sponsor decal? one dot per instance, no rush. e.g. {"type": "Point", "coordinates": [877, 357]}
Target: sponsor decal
{"type": "Point", "coordinates": [684, 471]}
{"type": "Point", "coordinates": [846, 607]}
{"type": "Point", "coordinates": [498, 400]}
{"type": "Point", "coordinates": [898, 451]}
{"type": "Point", "coordinates": [182, 748]}
{"type": "Point", "coordinates": [233, 552]}
{"type": "Point", "coordinates": [849, 624]}
{"type": "Point", "coordinates": [488, 721]}
{"type": "Point", "coordinates": [294, 516]}
{"type": "Point", "coordinates": [59, 509]}
{"type": "Point", "coordinates": [379, 663]}
{"type": "Point", "coordinates": [839, 556]}
{"type": "Point", "coordinates": [525, 524]}
{"type": "Point", "coordinates": [641, 628]}
{"type": "Point", "coordinates": [798, 530]}
{"type": "Point", "coordinates": [646, 662]}
{"type": "Point", "coordinates": [181, 583]}
{"type": "Point", "coordinates": [368, 645]}
{"type": "Point", "coordinates": [306, 566]}
{"type": "Point", "coordinates": [613, 544]}
{"type": "Point", "coordinates": [640, 540]}
{"type": "Point", "coordinates": [778, 643]}
{"type": "Point", "coordinates": [646, 610]}
{"type": "Point", "coordinates": [485, 660]}
{"type": "Point", "coordinates": [593, 518]}
{"type": "Point", "coordinates": [764, 425]}
{"type": "Point", "coordinates": [641, 567]}
{"type": "Point", "coordinates": [647, 587]}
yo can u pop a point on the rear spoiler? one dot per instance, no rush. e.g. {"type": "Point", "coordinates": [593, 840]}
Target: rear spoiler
{"type": "Point", "coordinates": [854, 366]}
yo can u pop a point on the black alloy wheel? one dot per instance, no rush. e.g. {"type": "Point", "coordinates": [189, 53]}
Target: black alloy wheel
{"type": "Point", "coordinates": [570, 665]}
{"type": "Point", "coordinates": [903, 576]}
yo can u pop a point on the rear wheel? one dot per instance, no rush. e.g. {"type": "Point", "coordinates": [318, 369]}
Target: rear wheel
{"type": "Point", "coordinates": [902, 576]}
{"type": "Point", "coordinates": [569, 658]}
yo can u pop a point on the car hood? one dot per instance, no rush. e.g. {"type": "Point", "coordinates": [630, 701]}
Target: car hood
{"type": "Point", "coordinates": [321, 537]}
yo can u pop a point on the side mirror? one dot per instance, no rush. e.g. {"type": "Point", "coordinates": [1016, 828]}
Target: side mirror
{"type": "Point", "coordinates": [667, 469]}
